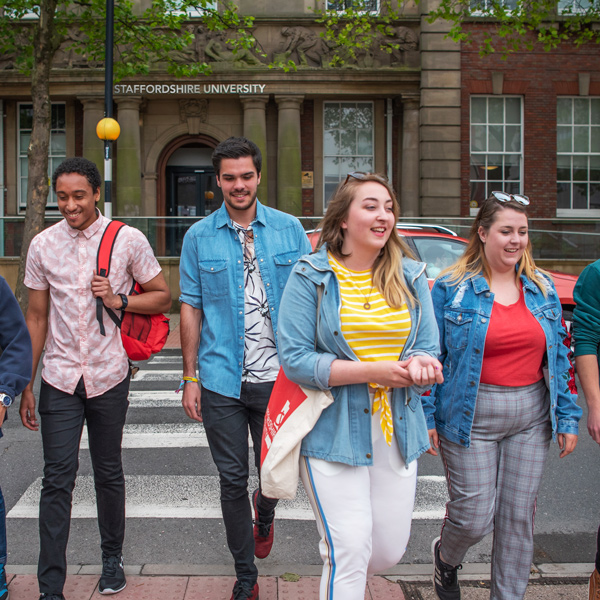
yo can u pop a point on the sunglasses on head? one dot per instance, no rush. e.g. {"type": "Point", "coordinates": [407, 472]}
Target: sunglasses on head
{"type": "Point", "coordinates": [361, 176]}
{"type": "Point", "coordinates": [505, 197]}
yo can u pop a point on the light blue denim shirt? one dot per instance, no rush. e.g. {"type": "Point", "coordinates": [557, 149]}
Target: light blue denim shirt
{"type": "Point", "coordinates": [343, 431]}
{"type": "Point", "coordinates": [463, 313]}
{"type": "Point", "coordinates": [212, 279]}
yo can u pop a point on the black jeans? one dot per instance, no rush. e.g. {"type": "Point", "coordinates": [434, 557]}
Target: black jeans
{"type": "Point", "coordinates": [598, 551]}
{"type": "Point", "coordinates": [62, 417]}
{"type": "Point", "coordinates": [226, 421]}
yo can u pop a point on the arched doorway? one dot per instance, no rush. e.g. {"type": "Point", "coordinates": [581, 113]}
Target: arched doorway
{"type": "Point", "coordinates": [187, 187]}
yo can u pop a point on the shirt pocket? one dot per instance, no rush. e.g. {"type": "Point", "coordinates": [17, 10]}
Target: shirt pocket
{"type": "Point", "coordinates": [284, 262]}
{"type": "Point", "coordinates": [215, 278]}
{"type": "Point", "coordinates": [457, 328]}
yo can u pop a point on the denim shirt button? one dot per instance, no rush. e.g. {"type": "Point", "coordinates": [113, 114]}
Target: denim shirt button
{"type": "Point", "coordinates": [484, 320]}
{"type": "Point", "coordinates": [472, 383]}
{"type": "Point", "coordinates": [335, 333]}
{"type": "Point", "coordinates": [366, 411]}
{"type": "Point", "coordinates": [477, 351]}
{"type": "Point", "coordinates": [368, 455]}
{"type": "Point", "coordinates": [468, 413]}
{"type": "Point", "coordinates": [487, 294]}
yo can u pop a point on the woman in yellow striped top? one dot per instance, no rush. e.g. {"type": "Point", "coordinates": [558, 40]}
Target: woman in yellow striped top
{"type": "Point", "coordinates": [358, 463]}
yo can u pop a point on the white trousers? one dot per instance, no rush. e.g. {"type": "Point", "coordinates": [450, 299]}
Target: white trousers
{"type": "Point", "coordinates": [363, 515]}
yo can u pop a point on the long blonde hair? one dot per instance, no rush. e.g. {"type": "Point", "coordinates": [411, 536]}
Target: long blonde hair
{"type": "Point", "coordinates": [387, 274]}
{"type": "Point", "coordinates": [473, 261]}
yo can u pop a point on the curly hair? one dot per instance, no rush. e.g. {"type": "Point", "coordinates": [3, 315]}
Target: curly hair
{"type": "Point", "coordinates": [81, 166]}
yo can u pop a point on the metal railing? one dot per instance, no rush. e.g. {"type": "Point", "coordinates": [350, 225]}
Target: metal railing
{"type": "Point", "coordinates": [551, 239]}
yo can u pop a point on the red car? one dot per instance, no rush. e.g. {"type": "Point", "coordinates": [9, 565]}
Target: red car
{"type": "Point", "coordinates": [440, 247]}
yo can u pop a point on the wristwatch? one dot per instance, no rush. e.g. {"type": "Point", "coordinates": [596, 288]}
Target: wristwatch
{"type": "Point", "coordinates": [5, 400]}
{"type": "Point", "coordinates": [124, 301]}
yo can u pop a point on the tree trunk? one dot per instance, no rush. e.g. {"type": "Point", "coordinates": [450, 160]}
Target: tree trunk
{"type": "Point", "coordinates": [45, 47]}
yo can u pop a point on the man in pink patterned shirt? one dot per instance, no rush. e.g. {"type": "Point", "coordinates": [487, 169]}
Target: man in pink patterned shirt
{"type": "Point", "coordinates": [85, 376]}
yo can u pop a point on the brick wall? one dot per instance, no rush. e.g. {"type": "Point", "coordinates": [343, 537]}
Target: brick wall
{"type": "Point", "coordinates": [539, 77]}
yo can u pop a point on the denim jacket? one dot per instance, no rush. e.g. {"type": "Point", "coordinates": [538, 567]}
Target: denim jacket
{"type": "Point", "coordinates": [343, 431]}
{"type": "Point", "coordinates": [15, 345]}
{"type": "Point", "coordinates": [463, 313]}
{"type": "Point", "coordinates": [212, 279]}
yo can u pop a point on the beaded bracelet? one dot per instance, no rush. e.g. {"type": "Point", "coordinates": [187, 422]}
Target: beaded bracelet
{"type": "Point", "coordinates": [184, 381]}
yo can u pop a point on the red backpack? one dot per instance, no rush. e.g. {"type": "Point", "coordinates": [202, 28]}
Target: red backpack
{"type": "Point", "coordinates": [142, 335]}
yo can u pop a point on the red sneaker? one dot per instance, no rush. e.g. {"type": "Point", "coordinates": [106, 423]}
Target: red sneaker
{"type": "Point", "coordinates": [263, 532]}
{"type": "Point", "coordinates": [241, 592]}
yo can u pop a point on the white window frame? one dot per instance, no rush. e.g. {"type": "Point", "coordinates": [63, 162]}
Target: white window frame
{"type": "Point", "coordinates": [51, 203]}
{"type": "Point", "coordinates": [483, 12]}
{"type": "Point", "coordinates": [577, 212]}
{"type": "Point", "coordinates": [577, 5]}
{"type": "Point", "coordinates": [489, 182]}
{"type": "Point", "coordinates": [373, 11]}
{"type": "Point", "coordinates": [344, 156]}
{"type": "Point", "coordinates": [197, 12]}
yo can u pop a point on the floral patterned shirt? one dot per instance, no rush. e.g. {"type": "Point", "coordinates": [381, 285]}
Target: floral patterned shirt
{"type": "Point", "coordinates": [62, 260]}
{"type": "Point", "coordinates": [261, 363]}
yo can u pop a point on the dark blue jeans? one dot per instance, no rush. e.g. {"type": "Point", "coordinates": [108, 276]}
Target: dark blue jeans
{"type": "Point", "coordinates": [2, 530]}
{"type": "Point", "coordinates": [2, 519]}
{"type": "Point", "coordinates": [226, 421]}
{"type": "Point", "coordinates": [62, 418]}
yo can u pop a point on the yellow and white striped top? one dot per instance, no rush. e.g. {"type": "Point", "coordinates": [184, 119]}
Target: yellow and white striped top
{"type": "Point", "coordinates": [373, 330]}
{"type": "Point", "coordinates": [376, 333]}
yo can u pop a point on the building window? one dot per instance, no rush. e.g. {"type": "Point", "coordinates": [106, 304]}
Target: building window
{"type": "Point", "coordinates": [361, 5]}
{"type": "Point", "coordinates": [572, 7]}
{"type": "Point", "coordinates": [348, 143]}
{"type": "Point", "coordinates": [196, 11]}
{"type": "Point", "coordinates": [496, 146]}
{"type": "Point", "coordinates": [486, 6]}
{"type": "Point", "coordinates": [578, 154]}
{"type": "Point", "coordinates": [56, 153]}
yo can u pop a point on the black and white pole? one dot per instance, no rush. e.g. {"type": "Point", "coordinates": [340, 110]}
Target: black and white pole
{"type": "Point", "coordinates": [108, 129]}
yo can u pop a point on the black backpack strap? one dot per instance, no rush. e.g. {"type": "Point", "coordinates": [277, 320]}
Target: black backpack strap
{"type": "Point", "coordinates": [103, 260]}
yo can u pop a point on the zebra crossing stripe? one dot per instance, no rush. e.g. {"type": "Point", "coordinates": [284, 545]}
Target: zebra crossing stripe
{"type": "Point", "coordinates": [197, 497]}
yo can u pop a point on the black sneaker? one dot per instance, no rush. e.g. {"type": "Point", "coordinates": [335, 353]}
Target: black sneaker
{"type": "Point", "coordinates": [112, 579]}
{"type": "Point", "coordinates": [445, 577]}
{"type": "Point", "coordinates": [52, 597]}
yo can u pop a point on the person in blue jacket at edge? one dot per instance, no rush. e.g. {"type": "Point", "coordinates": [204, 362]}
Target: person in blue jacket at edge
{"type": "Point", "coordinates": [376, 349]}
{"type": "Point", "coordinates": [15, 373]}
{"type": "Point", "coordinates": [501, 329]}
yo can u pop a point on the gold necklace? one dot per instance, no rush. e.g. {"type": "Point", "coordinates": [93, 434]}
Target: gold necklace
{"type": "Point", "coordinates": [367, 304]}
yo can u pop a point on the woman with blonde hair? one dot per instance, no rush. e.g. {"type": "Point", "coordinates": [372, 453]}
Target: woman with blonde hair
{"type": "Point", "coordinates": [492, 418]}
{"type": "Point", "coordinates": [374, 344]}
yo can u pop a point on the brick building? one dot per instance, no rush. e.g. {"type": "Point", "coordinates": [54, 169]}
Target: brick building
{"type": "Point", "coordinates": [445, 124]}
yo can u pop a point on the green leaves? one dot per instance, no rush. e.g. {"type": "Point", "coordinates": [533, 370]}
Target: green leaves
{"type": "Point", "coordinates": [520, 24]}
{"type": "Point", "coordinates": [354, 30]}
{"type": "Point", "coordinates": [162, 35]}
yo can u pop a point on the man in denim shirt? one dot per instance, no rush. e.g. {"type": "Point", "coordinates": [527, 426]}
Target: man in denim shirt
{"type": "Point", "coordinates": [234, 266]}
{"type": "Point", "coordinates": [15, 373]}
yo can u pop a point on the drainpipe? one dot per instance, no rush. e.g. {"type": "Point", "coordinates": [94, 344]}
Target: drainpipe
{"type": "Point", "coordinates": [389, 115]}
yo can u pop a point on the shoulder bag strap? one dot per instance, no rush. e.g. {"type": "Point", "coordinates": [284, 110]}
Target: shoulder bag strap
{"type": "Point", "coordinates": [105, 248]}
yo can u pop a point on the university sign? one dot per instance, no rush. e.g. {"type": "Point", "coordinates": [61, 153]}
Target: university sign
{"type": "Point", "coordinates": [190, 88]}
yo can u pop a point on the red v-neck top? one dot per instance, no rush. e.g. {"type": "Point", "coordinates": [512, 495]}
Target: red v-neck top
{"type": "Point", "coordinates": [515, 346]}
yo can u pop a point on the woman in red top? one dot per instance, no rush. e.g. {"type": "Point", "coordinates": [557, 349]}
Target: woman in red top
{"type": "Point", "coordinates": [494, 416]}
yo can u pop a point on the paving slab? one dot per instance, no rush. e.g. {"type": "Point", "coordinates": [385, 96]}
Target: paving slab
{"type": "Point", "coordinates": [148, 588]}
